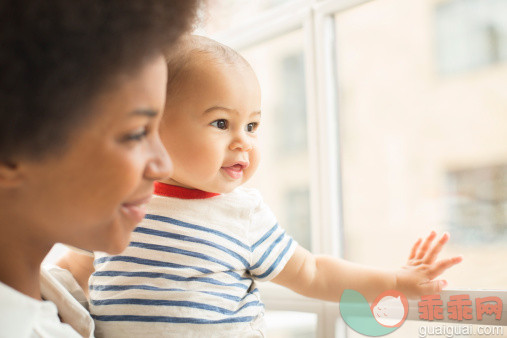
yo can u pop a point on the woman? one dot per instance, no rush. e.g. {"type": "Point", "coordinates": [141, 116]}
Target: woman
{"type": "Point", "coordinates": [82, 86]}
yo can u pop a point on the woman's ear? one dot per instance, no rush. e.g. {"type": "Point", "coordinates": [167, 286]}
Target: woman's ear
{"type": "Point", "coordinates": [11, 174]}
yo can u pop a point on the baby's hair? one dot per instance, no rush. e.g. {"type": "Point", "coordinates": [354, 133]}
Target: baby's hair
{"type": "Point", "coordinates": [193, 48]}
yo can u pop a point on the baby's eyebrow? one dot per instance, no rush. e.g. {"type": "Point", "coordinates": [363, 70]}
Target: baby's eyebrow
{"type": "Point", "coordinates": [229, 110]}
{"type": "Point", "coordinates": [212, 109]}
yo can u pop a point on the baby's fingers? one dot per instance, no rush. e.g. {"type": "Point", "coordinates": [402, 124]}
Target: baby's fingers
{"type": "Point", "coordinates": [433, 287]}
{"type": "Point", "coordinates": [439, 267]}
{"type": "Point", "coordinates": [431, 255]}
{"type": "Point", "coordinates": [426, 245]}
{"type": "Point", "coordinates": [413, 252]}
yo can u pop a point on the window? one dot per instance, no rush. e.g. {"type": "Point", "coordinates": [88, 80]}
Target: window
{"type": "Point", "coordinates": [290, 324]}
{"type": "Point", "coordinates": [470, 34]}
{"type": "Point", "coordinates": [290, 108]}
{"type": "Point", "coordinates": [477, 204]}
{"type": "Point", "coordinates": [419, 152]}
{"type": "Point", "coordinates": [227, 15]}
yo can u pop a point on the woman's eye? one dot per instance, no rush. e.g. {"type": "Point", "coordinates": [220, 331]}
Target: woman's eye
{"type": "Point", "coordinates": [251, 127]}
{"type": "Point", "coordinates": [220, 124]}
{"type": "Point", "coordinates": [137, 135]}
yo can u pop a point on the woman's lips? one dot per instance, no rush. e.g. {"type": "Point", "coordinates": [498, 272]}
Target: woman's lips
{"type": "Point", "coordinates": [234, 171]}
{"type": "Point", "coordinates": [135, 210]}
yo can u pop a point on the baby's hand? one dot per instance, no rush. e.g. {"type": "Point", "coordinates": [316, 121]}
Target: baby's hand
{"type": "Point", "coordinates": [416, 278]}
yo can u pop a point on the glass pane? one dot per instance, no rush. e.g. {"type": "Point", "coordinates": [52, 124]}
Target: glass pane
{"type": "Point", "coordinates": [283, 176]}
{"type": "Point", "coordinates": [291, 324]}
{"type": "Point", "coordinates": [424, 148]}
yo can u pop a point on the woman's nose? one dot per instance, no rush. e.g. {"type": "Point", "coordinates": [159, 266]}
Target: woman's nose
{"type": "Point", "coordinates": [160, 166]}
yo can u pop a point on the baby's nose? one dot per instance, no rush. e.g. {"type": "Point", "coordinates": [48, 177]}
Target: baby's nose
{"type": "Point", "coordinates": [241, 143]}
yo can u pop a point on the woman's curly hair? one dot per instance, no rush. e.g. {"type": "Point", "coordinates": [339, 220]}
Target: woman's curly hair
{"type": "Point", "coordinates": [56, 55]}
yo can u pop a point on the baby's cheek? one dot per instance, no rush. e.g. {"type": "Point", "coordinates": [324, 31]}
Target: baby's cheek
{"type": "Point", "coordinates": [248, 173]}
{"type": "Point", "coordinates": [255, 158]}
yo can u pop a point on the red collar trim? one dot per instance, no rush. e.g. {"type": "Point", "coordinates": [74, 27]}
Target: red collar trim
{"type": "Point", "coordinates": [167, 190]}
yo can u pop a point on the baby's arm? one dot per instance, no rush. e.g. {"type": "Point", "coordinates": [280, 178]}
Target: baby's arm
{"type": "Point", "coordinates": [80, 265]}
{"type": "Point", "coordinates": [326, 277]}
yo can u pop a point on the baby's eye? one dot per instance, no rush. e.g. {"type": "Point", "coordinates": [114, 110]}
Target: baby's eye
{"type": "Point", "coordinates": [220, 124]}
{"type": "Point", "coordinates": [251, 127]}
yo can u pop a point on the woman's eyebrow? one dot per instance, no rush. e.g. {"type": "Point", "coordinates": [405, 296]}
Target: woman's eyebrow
{"type": "Point", "coordinates": [144, 112]}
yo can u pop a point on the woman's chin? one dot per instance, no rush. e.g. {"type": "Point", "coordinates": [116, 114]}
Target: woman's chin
{"type": "Point", "coordinates": [117, 241]}
{"type": "Point", "coordinates": [118, 246]}
{"type": "Point", "coordinates": [115, 248]}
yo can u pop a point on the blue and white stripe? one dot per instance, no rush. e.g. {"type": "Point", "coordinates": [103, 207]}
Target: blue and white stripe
{"type": "Point", "coordinates": [191, 265]}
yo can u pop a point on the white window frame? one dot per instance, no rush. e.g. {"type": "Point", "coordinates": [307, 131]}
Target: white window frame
{"type": "Point", "coordinates": [316, 19]}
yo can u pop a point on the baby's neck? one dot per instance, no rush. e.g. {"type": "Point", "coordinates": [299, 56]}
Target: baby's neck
{"type": "Point", "coordinates": [170, 181]}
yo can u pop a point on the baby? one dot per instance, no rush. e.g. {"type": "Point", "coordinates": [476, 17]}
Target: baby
{"type": "Point", "coordinates": [192, 264]}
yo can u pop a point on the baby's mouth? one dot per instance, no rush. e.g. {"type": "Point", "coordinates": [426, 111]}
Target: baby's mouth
{"type": "Point", "coordinates": [235, 171]}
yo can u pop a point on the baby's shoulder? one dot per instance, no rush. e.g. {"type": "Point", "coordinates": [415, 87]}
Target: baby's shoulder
{"type": "Point", "coordinates": [250, 198]}
{"type": "Point", "coordinates": [245, 193]}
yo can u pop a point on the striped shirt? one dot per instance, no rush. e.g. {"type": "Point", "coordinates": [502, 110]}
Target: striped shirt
{"type": "Point", "coordinates": [190, 268]}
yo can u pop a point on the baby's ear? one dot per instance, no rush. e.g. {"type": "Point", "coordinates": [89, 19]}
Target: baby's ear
{"type": "Point", "coordinates": [11, 174]}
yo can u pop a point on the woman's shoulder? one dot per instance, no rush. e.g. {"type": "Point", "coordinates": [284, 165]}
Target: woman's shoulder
{"type": "Point", "coordinates": [21, 316]}
{"type": "Point", "coordinates": [18, 312]}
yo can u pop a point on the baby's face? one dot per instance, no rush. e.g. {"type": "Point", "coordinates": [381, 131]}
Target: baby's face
{"type": "Point", "coordinates": [210, 127]}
